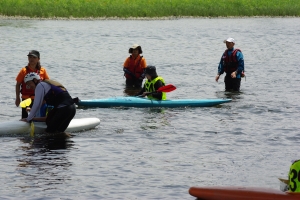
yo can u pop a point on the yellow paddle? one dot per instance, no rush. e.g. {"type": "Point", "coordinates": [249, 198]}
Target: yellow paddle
{"type": "Point", "coordinates": [25, 104]}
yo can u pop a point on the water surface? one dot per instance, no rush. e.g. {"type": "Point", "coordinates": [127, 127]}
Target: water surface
{"type": "Point", "coordinates": [143, 153]}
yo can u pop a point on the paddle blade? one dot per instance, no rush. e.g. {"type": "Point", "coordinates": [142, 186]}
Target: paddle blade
{"type": "Point", "coordinates": [25, 103]}
{"type": "Point", "coordinates": [167, 88]}
{"type": "Point", "coordinates": [32, 129]}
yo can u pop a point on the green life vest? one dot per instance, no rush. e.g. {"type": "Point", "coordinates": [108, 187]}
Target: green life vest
{"type": "Point", "coordinates": [294, 177]}
{"type": "Point", "coordinates": [149, 87]}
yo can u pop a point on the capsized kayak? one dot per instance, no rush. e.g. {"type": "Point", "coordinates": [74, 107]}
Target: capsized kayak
{"type": "Point", "coordinates": [144, 102]}
{"type": "Point", "coordinates": [241, 193]}
{"type": "Point", "coordinates": [20, 127]}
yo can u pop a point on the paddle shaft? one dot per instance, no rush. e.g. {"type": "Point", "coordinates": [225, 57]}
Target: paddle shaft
{"type": "Point", "coordinates": [166, 88]}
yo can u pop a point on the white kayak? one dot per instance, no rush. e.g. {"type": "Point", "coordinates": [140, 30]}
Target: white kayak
{"type": "Point", "coordinates": [20, 127]}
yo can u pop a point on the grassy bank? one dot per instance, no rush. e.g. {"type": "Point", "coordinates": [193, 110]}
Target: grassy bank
{"type": "Point", "coordinates": [148, 8]}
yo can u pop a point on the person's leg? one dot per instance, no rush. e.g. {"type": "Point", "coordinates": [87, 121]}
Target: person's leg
{"type": "Point", "coordinates": [69, 115]}
{"type": "Point", "coordinates": [61, 119]}
{"type": "Point", "coordinates": [138, 83]}
{"type": "Point", "coordinates": [228, 83]}
{"type": "Point", "coordinates": [129, 82]}
{"type": "Point", "coordinates": [236, 83]}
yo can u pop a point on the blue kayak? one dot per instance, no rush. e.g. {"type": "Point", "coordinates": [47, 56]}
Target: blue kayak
{"type": "Point", "coordinates": [144, 102]}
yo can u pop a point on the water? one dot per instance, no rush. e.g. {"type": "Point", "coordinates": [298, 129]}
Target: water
{"type": "Point", "coordinates": [143, 153]}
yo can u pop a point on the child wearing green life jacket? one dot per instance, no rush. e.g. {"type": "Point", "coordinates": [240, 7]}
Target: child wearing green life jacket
{"type": "Point", "coordinates": [152, 84]}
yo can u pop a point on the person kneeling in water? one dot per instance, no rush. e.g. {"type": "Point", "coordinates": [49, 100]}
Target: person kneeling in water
{"type": "Point", "coordinates": [152, 84]}
{"type": "Point", "coordinates": [54, 94]}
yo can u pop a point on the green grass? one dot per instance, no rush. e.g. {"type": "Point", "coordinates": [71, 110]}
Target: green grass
{"type": "Point", "coordinates": [148, 8]}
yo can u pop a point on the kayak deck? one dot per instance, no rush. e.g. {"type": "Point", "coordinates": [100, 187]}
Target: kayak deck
{"type": "Point", "coordinates": [144, 102]}
{"type": "Point", "coordinates": [241, 193]}
{"type": "Point", "coordinates": [20, 127]}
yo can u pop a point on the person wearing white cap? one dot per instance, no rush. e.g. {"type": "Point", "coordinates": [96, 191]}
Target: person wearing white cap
{"type": "Point", "coordinates": [54, 93]}
{"type": "Point", "coordinates": [134, 66]}
{"type": "Point", "coordinates": [232, 63]}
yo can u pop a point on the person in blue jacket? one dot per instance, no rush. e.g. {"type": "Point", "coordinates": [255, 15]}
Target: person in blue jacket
{"type": "Point", "coordinates": [232, 63]}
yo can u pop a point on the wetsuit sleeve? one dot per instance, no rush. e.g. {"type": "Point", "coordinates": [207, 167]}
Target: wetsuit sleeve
{"type": "Point", "coordinates": [40, 91]}
{"type": "Point", "coordinates": [221, 66]}
{"type": "Point", "coordinates": [157, 95]}
{"type": "Point", "coordinates": [240, 59]}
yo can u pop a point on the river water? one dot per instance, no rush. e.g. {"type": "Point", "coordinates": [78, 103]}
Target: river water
{"type": "Point", "coordinates": [143, 153]}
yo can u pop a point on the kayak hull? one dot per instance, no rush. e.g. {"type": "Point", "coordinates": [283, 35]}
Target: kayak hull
{"type": "Point", "coordinates": [20, 127]}
{"type": "Point", "coordinates": [241, 193]}
{"type": "Point", "coordinates": [144, 102]}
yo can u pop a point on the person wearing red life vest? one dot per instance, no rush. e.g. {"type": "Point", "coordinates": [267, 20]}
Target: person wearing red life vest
{"type": "Point", "coordinates": [134, 66]}
{"type": "Point", "coordinates": [34, 65]}
{"type": "Point", "coordinates": [232, 63]}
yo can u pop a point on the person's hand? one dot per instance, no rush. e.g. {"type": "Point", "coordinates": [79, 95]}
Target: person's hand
{"type": "Point", "coordinates": [145, 94]}
{"type": "Point", "coordinates": [217, 77]}
{"type": "Point", "coordinates": [23, 119]}
{"type": "Point", "coordinates": [233, 74]}
{"type": "Point", "coordinates": [28, 109]}
{"type": "Point", "coordinates": [17, 102]}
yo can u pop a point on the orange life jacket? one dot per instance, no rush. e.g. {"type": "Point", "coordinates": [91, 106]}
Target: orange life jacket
{"type": "Point", "coordinates": [135, 69]}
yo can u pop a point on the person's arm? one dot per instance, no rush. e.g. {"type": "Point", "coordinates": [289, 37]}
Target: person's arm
{"type": "Point", "coordinates": [143, 65]}
{"type": "Point", "coordinates": [40, 119]}
{"type": "Point", "coordinates": [40, 91]}
{"type": "Point", "coordinates": [240, 59]}
{"type": "Point", "coordinates": [141, 92]}
{"type": "Point", "coordinates": [45, 76]}
{"type": "Point", "coordinates": [220, 69]}
{"type": "Point", "coordinates": [18, 99]}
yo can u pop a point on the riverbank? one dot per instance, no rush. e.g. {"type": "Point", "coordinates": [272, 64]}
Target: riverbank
{"type": "Point", "coordinates": [154, 9]}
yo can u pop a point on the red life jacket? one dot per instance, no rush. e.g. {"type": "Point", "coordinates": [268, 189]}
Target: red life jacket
{"type": "Point", "coordinates": [230, 62]}
{"type": "Point", "coordinates": [24, 90]}
{"type": "Point", "coordinates": [135, 69]}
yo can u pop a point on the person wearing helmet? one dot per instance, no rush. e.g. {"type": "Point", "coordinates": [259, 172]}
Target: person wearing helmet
{"type": "Point", "coordinates": [54, 94]}
{"type": "Point", "coordinates": [33, 65]}
{"type": "Point", "coordinates": [134, 66]}
{"type": "Point", "coordinates": [152, 84]}
{"type": "Point", "coordinates": [232, 63]}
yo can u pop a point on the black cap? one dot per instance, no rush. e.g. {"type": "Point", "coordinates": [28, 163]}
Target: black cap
{"type": "Point", "coordinates": [34, 53]}
{"type": "Point", "coordinates": [151, 70]}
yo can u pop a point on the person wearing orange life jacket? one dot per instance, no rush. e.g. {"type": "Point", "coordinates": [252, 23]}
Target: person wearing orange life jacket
{"type": "Point", "coordinates": [134, 66]}
{"type": "Point", "coordinates": [152, 84]}
{"type": "Point", "coordinates": [34, 65]}
{"type": "Point", "coordinates": [232, 63]}
{"type": "Point", "coordinates": [54, 94]}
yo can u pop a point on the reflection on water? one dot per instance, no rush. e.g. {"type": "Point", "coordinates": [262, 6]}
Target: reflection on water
{"type": "Point", "coordinates": [43, 162]}
{"type": "Point", "coordinates": [131, 91]}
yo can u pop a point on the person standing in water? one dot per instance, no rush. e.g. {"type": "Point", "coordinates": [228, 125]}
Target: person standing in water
{"type": "Point", "coordinates": [134, 66]}
{"type": "Point", "coordinates": [232, 63]}
{"type": "Point", "coordinates": [34, 65]}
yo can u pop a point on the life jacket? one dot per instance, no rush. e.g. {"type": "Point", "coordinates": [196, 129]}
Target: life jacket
{"type": "Point", "coordinates": [135, 69]}
{"type": "Point", "coordinates": [230, 62]}
{"type": "Point", "coordinates": [294, 177]}
{"type": "Point", "coordinates": [149, 87]}
{"type": "Point", "coordinates": [57, 95]}
{"type": "Point", "coordinates": [27, 91]}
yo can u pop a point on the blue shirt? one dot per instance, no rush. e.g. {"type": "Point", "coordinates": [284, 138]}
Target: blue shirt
{"type": "Point", "coordinates": [239, 58]}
